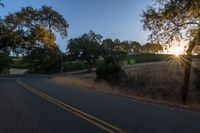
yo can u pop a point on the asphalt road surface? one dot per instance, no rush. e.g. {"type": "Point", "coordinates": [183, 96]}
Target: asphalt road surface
{"type": "Point", "coordinates": [31, 104]}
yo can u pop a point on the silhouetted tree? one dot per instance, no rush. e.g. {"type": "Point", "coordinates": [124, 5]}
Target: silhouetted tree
{"type": "Point", "coordinates": [136, 47]}
{"type": "Point", "coordinates": [53, 20]}
{"type": "Point", "coordinates": [152, 48]}
{"type": "Point", "coordinates": [38, 28]}
{"type": "Point", "coordinates": [170, 20]}
{"type": "Point", "coordinates": [109, 46]}
{"type": "Point", "coordinates": [87, 47]}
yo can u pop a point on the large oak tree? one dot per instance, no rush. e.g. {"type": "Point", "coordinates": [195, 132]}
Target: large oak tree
{"type": "Point", "coordinates": [86, 47]}
{"type": "Point", "coordinates": [37, 28]}
{"type": "Point", "coordinates": [170, 20]}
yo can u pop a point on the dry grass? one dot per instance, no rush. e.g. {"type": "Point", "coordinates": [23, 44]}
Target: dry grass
{"type": "Point", "coordinates": [87, 83]}
{"type": "Point", "coordinates": [160, 83]}
{"type": "Point", "coordinates": [156, 81]}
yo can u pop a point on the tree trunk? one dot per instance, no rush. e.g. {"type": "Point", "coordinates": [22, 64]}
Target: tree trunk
{"type": "Point", "coordinates": [89, 67]}
{"type": "Point", "coordinates": [186, 80]}
{"type": "Point", "coordinates": [61, 61]}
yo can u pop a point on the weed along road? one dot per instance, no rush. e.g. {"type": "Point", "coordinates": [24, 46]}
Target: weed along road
{"type": "Point", "coordinates": [32, 104]}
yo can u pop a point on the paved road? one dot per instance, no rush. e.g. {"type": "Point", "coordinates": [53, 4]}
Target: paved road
{"type": "Point", "coordinates": [22, 111]}
{"type": "Point", "coordinates": [17, 71]}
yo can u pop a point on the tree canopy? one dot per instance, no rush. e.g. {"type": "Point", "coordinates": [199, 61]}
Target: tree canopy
{"type": "Point", "coordinates": [31, 30]}
{"type": "Point", "coordinates": [170, 20]}
{"type": "Point", "coordinates": [30, 21]}
{"type": "Point", "coordinates": [173, 19]}
{"type": "Point", "coordinates": [152, 48]}
{"type": "Point", "coordinates": [87, 47]}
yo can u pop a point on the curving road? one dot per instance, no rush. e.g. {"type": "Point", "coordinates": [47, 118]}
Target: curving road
{"type": "Point", "coordinates": [37, 106]}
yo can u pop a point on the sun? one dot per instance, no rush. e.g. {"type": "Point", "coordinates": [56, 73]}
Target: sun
{"type": "Point", "coordinates": [176, 54]}
{"type": "Point", "coordinates": [176, 51]}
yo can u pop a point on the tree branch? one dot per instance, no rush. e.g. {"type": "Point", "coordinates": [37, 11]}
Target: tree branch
{"type": "Point", "coordinates": [189, 23]}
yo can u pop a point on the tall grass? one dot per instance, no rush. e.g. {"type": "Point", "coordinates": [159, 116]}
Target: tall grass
{"type": "Point", "coordinates": [159, 82]}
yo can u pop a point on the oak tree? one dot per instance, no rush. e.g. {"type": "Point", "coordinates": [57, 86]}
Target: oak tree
{"type": "Point", "coordinates": [170, 20]}
{"type": "Point", "coordinates": [87, 48]}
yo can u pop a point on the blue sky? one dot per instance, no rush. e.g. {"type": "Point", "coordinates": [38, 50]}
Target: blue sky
{"type": "Point", "coordinates": [110, 18]}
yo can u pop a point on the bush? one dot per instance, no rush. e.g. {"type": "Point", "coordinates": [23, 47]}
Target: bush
{"type": "Point", "coordinates": [72, 66]}
{"type": "Point", "coordinates": [197, 79]}
{"type": "Point", "coordinates": [44, 60]}
{"type": "Point", "coordinates": [131, 62]}
{"type": "Point", "coordinates": [110, 71]}
{"type": "Point", "coordinates": [19, 64]}
{"type": "Point", "coordinates": [197, 85]}
{"type": "Point", "coordinates": [4, 63]}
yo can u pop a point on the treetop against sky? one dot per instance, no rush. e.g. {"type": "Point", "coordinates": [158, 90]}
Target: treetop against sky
{"type": "Point", "coordinates": [110, 18]}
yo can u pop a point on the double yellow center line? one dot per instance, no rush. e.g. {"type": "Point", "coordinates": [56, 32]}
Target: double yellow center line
{"type": "Point", "coordinates": [95, 121]}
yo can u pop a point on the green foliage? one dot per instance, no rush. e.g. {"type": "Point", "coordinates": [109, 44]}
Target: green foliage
{"type": "Point", "coordinates": [4, 62]}
{"type": "Point", "coordinates": [53, 20]}
{"type": "Point", "coordinates": [131, 61]}
{"type": "Point", "coordinates": [197, 79]}
{"type": "Point", "coordinates": [18, 63]}
{"type": "Point", "coordinates": [44, 60]}
{"type": "Point", "coordinates": [32, 33]}
{"type": "Point", "coordinates": [110, 71]}
{"type": "Point", "coordinates": [72, 66]}
{"type": "Point", "coordinates": [140, 58]}
{"type": "Point", "coordinates": [152, 48]}
{"type": "Point", "coordinates": [117, 48]}
{"type": "Point", "coordinates": [86, 48]}
{"type": "Point", "coordinates": [172, 19]}
{"type": "Point", "coordinates": [9, 39]}
{"type": "Point", "coordinates": [45, 16]}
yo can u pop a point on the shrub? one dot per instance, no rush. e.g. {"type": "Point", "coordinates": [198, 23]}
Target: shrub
{"type": "Point", "coordinates": [72, 66]}
{"type": "Point", "coordinates": [197, 79]}
{"type": "Point", "coordinates": [4, 63]}
{"type": "Point", "coordinates": [110, 71]}
{"type": "Point", "coordinates": [131, 62]}
{"type": "Point", "coordinates": [44, 60]}
{"type": "Point", "coordinates": [19, 64]}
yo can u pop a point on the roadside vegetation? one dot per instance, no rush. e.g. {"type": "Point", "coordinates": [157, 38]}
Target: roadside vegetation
{"type": "Point", "coordinates": [5, 61]}
{"type": "Point", "coordinates": [30, 35]}
{"type": "Point", "coordinates": [159, 82]}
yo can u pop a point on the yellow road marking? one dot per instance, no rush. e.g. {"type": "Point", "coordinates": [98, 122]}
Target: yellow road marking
{"type": "Point", "coordinates": [100, 123]}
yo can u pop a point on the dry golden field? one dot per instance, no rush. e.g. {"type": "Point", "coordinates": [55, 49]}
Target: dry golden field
{"type": "Point", "coordinates": [160, 82]}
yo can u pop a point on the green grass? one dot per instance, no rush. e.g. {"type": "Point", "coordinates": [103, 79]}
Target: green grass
{"type": "Point", "coordinates": [123, 60]}
{"type": "Point", "coordinates": [140, 58]}
{"type": "Point", "coordinates": [71, 66]}
{"type": "Point", "coordinates": [17, 63]}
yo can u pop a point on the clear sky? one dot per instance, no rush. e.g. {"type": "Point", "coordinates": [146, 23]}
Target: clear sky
{"type": "Point", "coordinates": [110, 18]}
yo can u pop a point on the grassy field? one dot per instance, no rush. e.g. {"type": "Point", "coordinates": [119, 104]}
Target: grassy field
{"type": "Point", "coordinates": [141, 58]}
{"type": "Point", "coordinates": [160, 82]}
{"type": "Point", "coordinates": [123, 60]}
{"type": "Point", "coordinates": [17, 63]}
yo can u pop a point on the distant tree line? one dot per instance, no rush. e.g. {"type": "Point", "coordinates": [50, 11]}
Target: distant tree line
{"type": "Point", "coordinates": [31, 33]}
{"type": "Point", "coordinates": [90, 47]}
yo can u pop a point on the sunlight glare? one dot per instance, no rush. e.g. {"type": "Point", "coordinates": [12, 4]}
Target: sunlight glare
{"type": "Point", "coordinates": [176, 51]}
